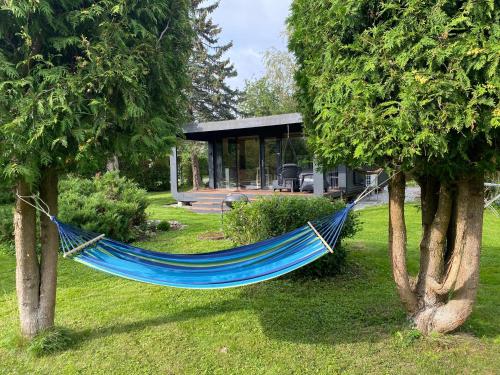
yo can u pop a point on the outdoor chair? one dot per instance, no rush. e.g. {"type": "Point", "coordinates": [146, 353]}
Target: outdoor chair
{"type": "Point", "coordinates": [288, 178]}
{"type": "Point", "coordinates": [306, 181]}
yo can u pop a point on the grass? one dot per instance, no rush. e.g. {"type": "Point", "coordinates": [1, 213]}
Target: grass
{"type": "Point", "coordinates": [351, 324]}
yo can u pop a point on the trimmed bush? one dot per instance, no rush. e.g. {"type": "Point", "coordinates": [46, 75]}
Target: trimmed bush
{"type": "Point", "coordinates": [107, 204]}
{"type": "Point", "coordinates": [270, 217]}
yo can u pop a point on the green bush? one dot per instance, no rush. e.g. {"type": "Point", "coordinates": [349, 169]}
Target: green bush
{"type": "Point", "coordinates": [152, 175]}
{"type": "Point", "coordinates": [6, 228]}
{"type": "Point", "coordinates": [270, 217]}
{"type": "Point", "coordinates": [107, 204]}
{"type": "Point", "coordinates": [163, 226]}
{"type": "Point", "coordinates": [6, 194]}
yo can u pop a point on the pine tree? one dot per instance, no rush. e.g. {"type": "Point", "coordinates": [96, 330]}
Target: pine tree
{"type": "Point", "coordinates": [210, 96]}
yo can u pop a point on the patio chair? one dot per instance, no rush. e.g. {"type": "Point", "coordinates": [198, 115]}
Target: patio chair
{"type": "Point", "coordinates": [288, 178]}
{"type": "Point", "coordinates": [306, 181]}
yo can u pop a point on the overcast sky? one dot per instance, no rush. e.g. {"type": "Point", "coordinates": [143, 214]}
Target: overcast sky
{"type": "Point", "coordinates": [254, 26]}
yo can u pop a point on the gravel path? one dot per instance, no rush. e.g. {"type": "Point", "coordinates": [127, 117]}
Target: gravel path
{"type": "Point", "coordinates": [412, 195]}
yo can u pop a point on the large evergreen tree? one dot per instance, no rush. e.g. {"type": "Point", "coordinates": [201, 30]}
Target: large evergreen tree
{"type": "Point", "coordinates": [210, 96]}
{"type": "Point", "coordinates": [412, 86]}
{"type": "Point", "coordinates": [81, 81]}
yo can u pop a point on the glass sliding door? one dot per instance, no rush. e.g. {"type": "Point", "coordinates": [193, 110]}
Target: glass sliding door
{"type": "Point", "coordinates": [228, 176]}
{"type": "Point", "coordinates": [271, 161]}
{"type": "Point", "coordinates": [249, 162]}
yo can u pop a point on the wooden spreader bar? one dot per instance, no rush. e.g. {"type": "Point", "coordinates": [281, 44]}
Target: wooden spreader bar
{"type": "Point", "coordinates": [83, 246]}
{"type": "Point", "coordinates": [320, 237]}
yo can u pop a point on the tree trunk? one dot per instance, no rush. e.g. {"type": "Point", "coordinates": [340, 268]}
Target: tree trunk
{"type": "Point", "coordinates": [27, 266]}
{"type": "Point", "coordinates": [195, 163]}
{"type": "Point", "coordinates": [462, 273]}
{"type": "Point", "coordinates": [397, 241]}
{"type": "Point", "coordinates": [36, 276]}
{"type": "Point", "coordinates": [49, 238]}
{"type": "Point", "coordinates": [444, 294]}
{"type": "Point", "coordinates": [113, 165]}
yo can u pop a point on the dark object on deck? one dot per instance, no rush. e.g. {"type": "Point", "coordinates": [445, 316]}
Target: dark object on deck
{"type": "Point", "coordinates": [306, 182]}
{"type": "Point", "coordinates": [230, 199]}
{"type": "Point", "coordinates": [288, 178]}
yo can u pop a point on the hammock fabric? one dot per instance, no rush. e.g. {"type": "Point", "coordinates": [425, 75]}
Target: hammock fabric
{"type": "Point", "coordinates": [221, 269]}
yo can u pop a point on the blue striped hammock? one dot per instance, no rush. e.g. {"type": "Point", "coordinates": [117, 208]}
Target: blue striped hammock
{"type": "Point", "coordinates": [221, 269]}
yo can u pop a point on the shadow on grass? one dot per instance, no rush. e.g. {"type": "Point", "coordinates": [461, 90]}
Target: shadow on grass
{"type": "Point", "coordinates": [310, 312]}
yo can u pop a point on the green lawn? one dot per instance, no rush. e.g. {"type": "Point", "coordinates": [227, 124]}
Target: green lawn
{"type": "Point", "coordinates": [348, 324]}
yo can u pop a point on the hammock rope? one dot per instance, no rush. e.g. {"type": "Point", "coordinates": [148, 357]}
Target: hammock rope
{"type": "Point", "coordinates": [235, 267]}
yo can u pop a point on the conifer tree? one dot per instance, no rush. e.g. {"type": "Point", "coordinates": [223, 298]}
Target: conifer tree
{"type": "Point", "coordinates": [412, 86]}
{"type": "Point", "coordinates": [210, 96]}
{"type": "Point", "coordinates": [81, 81]}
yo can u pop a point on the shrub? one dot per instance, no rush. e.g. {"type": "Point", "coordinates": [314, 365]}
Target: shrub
{"type": "Point", "coordinates": [163, 226]}
{"type": "Point", "coordinates": [107, 204]}
{"type": "Point", "coordinates": [6, 225]}
{"type": "Point", "coordinates": [6, 194]}
{"type": "Point", "coordinates": [152, 175]}
{"type": "Point", "coordinates": [270, 217]}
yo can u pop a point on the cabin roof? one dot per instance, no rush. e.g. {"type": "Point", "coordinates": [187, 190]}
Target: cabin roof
{"type": "Point", "coordinates": [257, 124]}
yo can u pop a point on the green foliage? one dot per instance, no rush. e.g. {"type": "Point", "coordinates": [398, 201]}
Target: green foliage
{"type": "Point", "coordinates": [163, 226]}
{"type": "Point", "coordinates": [6, 225]}
{"type": "Point", "coordinates": [151, 175]}
{"type": "Point", "coordinates": [270, 217]}
{"type": "Point", "coordinates": [80, 82]}
{"type": "Point", "coordinates": [50, 341]}
{"type": "Point", "coordinates": [6, 194]}
{"type": "Point", "coordinates": [407, 338]}
{"type": "Point", "coordinates": [107, 204]}
{"type": "Point", "coordinates": [274, 93]}
{"type": "Point", "coordinates": [404, 84]}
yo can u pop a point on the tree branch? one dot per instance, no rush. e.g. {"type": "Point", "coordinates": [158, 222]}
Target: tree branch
{"type": "Point", "coordinates": [163, 33]}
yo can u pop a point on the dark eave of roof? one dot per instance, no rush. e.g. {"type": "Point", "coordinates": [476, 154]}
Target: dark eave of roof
{"type": "Point", "coordinates": [244, 123]}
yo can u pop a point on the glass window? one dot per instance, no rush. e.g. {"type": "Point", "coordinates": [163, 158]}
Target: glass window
{"type": "Point", "coordinates": [229, 178]}
{"type": "Point", "coordinates": [248, 163]}
{"type": "Point", "coordinates": [271, 161]}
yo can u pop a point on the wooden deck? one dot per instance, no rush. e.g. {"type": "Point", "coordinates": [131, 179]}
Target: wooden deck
{"type": "Point", "coordinates": [210, 200]}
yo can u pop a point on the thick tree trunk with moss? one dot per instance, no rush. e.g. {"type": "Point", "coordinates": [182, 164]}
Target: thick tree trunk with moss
{"type": "Point", "coordinates": [36, 273]}
{"type": "Point", "coordinates": [441, 297]}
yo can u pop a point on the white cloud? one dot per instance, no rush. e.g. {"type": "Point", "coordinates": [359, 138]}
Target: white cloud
{"type": "Point", "coordinates": [254, 26]}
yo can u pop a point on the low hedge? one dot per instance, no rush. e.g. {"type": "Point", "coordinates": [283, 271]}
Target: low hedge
{"type": "Point", "coordinates": [107, 204]}
{"type": "Point", "coordinates": [269, 217]}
